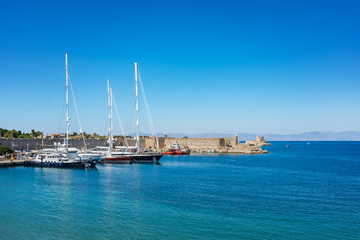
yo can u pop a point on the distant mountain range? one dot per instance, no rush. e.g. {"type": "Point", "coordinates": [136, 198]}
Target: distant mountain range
{"type": "Point", "coordinates": [307, 136]}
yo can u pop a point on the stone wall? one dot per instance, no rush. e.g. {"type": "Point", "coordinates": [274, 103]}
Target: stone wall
{"type": "Point", "coordinates": [33, 144]}
{"type": "Point", "coordinates": [198, 144]}
{"type": "Point", "coordinates": [260, 141]}
{"type": "Point", "coordinates": [193, 143]}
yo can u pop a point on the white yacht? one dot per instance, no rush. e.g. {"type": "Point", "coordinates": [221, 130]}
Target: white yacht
{"type": "Point", "coordinates": [62, 155]}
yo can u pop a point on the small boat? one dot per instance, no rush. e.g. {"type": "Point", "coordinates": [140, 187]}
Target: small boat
{"type": "Point", "coordinates": [308, 143]}
{"type": "Point", "coordinates": [288, 145]}
{"type": "Point", "coordinates": [175, 149]}
{"type": "Point", "coordinates": [175, 152]}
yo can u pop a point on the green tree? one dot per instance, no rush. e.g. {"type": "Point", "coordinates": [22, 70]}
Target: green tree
{"type": "Point", "coordinates": [24, 136]}
{"type": "Point", "coordinates": [33, 133]}
{"type": "Point", "coordinates": [18, 134]}
{"type": "Point", "coordinates": [2, 132]}
{"type": "Point", "coordinates": [4, 150]}
{"type": "Point", "coordinates": [12, 134]}
{"type": "Point", "coordinates": [8, 135]}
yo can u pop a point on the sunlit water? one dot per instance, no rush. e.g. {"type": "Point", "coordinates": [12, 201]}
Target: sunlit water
{"type": "Point", "coordinates": [301, 192]}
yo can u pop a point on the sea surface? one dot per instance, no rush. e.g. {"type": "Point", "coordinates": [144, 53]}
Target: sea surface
{"type": "Point", "coordinates": [301, 192]}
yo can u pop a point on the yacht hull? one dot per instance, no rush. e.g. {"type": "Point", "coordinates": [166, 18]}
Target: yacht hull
{"type": "Point", "coordinates": [145, 158]}
{"type": "Point", "coordinates": [79, 164]}
{"type": "Point", "coordinates": [118, 160]}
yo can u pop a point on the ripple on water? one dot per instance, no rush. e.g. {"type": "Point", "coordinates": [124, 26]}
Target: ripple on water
{"type": "Point", "coordinates": [297, 193]}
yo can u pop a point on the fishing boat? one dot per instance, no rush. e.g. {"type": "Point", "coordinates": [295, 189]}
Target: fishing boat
{"type": "Point", "coordinates": [175, 149]}
{"type": "Point", "coordinates": [63, 156]}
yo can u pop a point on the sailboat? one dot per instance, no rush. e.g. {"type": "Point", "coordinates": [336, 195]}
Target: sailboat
{"type": "Point", "coordinates": [129, 156]}
{"type": "Point", "coordinates": [64, 156]}
{"type": "Point", "coordinates": [139, 156]}
{"type": "Point", "coordinates": [110, 155]}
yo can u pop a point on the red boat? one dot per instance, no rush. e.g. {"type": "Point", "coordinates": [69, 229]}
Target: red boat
{"type": "Point", "coordinates": [176, 150]}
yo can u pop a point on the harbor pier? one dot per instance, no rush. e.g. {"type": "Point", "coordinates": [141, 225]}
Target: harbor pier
{"type": "Point", "coordinates": [11, 163]}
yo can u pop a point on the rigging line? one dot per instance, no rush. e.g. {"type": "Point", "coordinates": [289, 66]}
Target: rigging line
{"type": "Point", "coordinates": [77, 113]}
{"type": "Point", "coordinates": [148, 111]}
{"type": "Point", "coordinates": [146, 105]}
{"type": "Point", "coordinates": [110, 140]}
{"type": "Point", "coordinates": [120, 123]}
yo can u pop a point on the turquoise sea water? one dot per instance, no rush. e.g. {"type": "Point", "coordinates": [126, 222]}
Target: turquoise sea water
{"type": "Point", "coordinates": [302, 192]}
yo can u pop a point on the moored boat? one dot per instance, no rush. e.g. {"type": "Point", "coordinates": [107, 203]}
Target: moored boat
{"type": "Point", "coordinates": [149, 157]}
{"type": "Point", "coordinates": [59, 160]}
{"type": "Point", "coordinates": [109, 155]}
{"type": "Point", "coordinates": [175, 149]}
{"type": "Point", "coordinates": [141, 157]}
{"type": "Point", "coordinates": [114, 157]}
{"type": "Point", "coordinates": [64, 156]}
{"type": "Point", "coordinates": [129, 154]}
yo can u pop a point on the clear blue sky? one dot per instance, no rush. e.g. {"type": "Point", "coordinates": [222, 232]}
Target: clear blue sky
{"type": "Point", "coordinates": [207, 66]}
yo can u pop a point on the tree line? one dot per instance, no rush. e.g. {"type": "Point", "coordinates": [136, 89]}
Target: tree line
{"type": "Point", "coordinates": [5, 133]}
{"type": "Point", "coordinates": [19, 134]}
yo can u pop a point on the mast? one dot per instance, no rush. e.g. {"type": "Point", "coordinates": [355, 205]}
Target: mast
{"type": "Point", "coordinates": [67, 105]}
{"type": "Point", "coordinates": [137, 110]}
{"type": "Point", "coordinates": [110, 141]}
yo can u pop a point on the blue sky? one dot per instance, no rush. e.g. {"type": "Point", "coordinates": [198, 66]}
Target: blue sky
{"type": "Point", "coordinates": [207, 66]}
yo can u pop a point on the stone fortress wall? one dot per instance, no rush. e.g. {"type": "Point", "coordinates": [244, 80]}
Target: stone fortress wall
{"type": "Point", "coordinates": [193, 143]}
{"type": "Point", "coordinates": [34, 144]}
{"type": "Point", "coordinates": [222, 145]}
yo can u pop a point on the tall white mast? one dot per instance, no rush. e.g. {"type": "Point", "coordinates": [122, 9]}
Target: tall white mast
{"type": "Point", "coordinates": [110, 141]}
{"type": "Point", "coordinates": [67, 105]}
{"type": "Point", "coordinates": [137, 110]}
